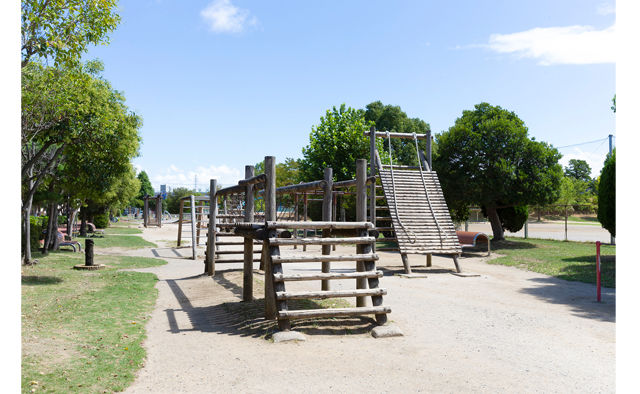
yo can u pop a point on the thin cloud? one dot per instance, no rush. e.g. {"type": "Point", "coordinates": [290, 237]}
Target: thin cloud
{"type": "Point", "coordinates": [224, 17]}
{"type": "Point", "coordinates": [606, 9]}
{"type": "Point", "coordinates": [558, 45]}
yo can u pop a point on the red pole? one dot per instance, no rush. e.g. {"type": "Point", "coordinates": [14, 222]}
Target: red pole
{"type": "Point", "coordinates": [598, 270]}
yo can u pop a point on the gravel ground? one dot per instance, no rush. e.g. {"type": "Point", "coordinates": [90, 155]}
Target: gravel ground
{"type": "Point", "coordinates": [504, 331]}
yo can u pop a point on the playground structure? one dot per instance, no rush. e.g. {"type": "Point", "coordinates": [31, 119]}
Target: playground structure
{"type": "Point", "coordinates": [147, 219]}
{"type": "Point", "coordinates": [194, 207]}
{"type": "Point", "coordinates": [418, 212]}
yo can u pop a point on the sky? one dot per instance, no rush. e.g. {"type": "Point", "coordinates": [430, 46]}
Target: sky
{"type": "Point", "coordinates": [220, 84]}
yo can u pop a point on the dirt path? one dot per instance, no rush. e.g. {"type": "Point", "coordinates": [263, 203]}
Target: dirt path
{"type": "Point", "coordinates": [505, 331]}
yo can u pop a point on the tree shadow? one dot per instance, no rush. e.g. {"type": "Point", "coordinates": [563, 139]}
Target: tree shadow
{"type": "Point", "coordinates": [586, 271]}
{"type": "Point", "coordinates": [246, 319]}
{"type": "Point", "coordinates": [40, 280]}
{"type": "Point", "coordinates": [580, 297]}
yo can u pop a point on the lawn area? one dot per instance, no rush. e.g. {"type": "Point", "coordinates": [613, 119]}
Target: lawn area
{"type": "Point", "coordinates": [573, 261]}
{"type": "Point", "coordinates": [114, 240]}
{"type": "Point", "coordinates": [82, 330]}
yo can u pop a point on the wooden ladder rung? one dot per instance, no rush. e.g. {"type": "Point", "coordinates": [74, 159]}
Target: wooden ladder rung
{"type": "Point", "coordinates": [234, 260]}
{"type": "Point", "coordinates": [321, 295]}
{"type": "Point", "coordinates": [327, 276]}
{"type": "Point", "coordinates": [333, 312]}
{"type": "Point", "coordinates": [387, 249]}
{"type": "Point", "coordinates": [323, 258]}
{"type": "Point", "coordinates": [234, 252]}
{"type": "Point", "coordinates": [321, 241]}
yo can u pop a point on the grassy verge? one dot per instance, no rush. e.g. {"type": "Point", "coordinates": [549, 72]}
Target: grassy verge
{"type": "Point", "coordinates": [573, 261]}
{"type": "Point", "coordinates": [122, 230]}
{"type": "Point", "coordinates": [82, 330]}
{"type": "Point", "coordinates": [118, 241]}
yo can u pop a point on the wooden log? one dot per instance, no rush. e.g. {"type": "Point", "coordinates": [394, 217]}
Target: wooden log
{"type": "Point", "coordinates": [193, 230]}
{"type": "Point", "coordinates": [323, 295]}
{"type": "Point", "coordinates": [236, 189]}
{"type": "Point", "coordinates": [383, 134]}
{"type": "Point", "coordinates": [334, 312]}
{"type": "Point", "coordinates": [326, 217]}
{"type": "Point", "coordinates": [375, 233]}
{"type": "Point", "coordinates": [247, 271]}
{"type": "Point", "coordinates": [211, 243]}
{"type": "Point", "coordinates": [269, 252]}
{"type": "Point", "coordinates": [322, 241]}
{"type": "Point", "coordinates": [220, 261]}
{"type": "Point", "coordinates": [324, 258]}
{"type": "Point", "coordinates": [331, 275]}
{"type": "Point", "coordinates": [303, 187]}
{"type": "Point", "coordinates": [227, 252]}
{"type": "Point", "coordinates": [319, 225]}
{"type": "Point", "coordinates": [180, 219]}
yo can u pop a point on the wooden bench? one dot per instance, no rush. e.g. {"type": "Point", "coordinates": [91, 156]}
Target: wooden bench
{"type": "Point", "coordinates": [471, 238]}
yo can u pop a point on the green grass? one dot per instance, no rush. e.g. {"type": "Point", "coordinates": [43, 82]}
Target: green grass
{"type": "Point", "coordinates": [118, 241]}
{"type": "Point", "coordinates": [119, 230]}
{"type": "Point", "coordinates": [573, 261]}
{"type": "Point", "coordinates": [82, 330]}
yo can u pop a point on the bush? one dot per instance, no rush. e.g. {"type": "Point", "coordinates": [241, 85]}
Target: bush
{"type": "Point", "coordinates": [36, 231]}
{"type": "Point", "coordinates": [101, 220]}
{"type": "Point", "coordinates": [607, 195]}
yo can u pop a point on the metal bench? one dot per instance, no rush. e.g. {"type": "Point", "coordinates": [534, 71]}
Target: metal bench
{"type": "Point", "coordinates": [471, 238]}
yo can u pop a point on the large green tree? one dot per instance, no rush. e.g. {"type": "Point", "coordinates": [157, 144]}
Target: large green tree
{"type": "Point", "coordinates": [391, 118]}
{"type": "Point", "coordinates": [337, 142]}
{"type": "Point", "coordinates": [146, 189]}
{"type": "Point", "coordinates": [607, 195]}
{"type": "Point", "coordinates": [486, 158]}
{"type": "Point", "coordinates": [75, 124]}
{"type": "Point", "coordinates": [63, 30]}
{"type": "Point", "coordinates": [578, 169]}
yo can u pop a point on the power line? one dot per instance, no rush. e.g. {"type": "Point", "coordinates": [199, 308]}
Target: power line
{"type": "Point", "coordinates": [584, 143]}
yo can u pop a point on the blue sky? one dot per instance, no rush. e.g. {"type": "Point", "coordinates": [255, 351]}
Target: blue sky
{"type": "Point", "coordinates": [221, 84]}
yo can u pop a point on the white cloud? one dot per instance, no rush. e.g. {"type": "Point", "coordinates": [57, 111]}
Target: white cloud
{"type": "Point", "coordinates": [606, 9]}
{"type": "Point", "coordinates": [558, 45]}
{"type": "Point", "coordinates": [595, 160]}
{"type": "Point", "coordinates": [174, 177]}
{"type": "Point", "coordinates": [224, 17]}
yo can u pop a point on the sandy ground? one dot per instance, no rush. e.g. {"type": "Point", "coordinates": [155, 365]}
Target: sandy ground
{"type": "Point", "coordinates": [504, 331]}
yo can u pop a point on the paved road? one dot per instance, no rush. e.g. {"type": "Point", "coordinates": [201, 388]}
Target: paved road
{"type": "Point", "coordinates": [575, 232]}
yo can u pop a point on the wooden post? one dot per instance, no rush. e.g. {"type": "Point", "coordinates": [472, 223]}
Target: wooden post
{"type": "Point", "coordinates": [405, 262]}
{"type": "Point", "coordinates": [428, 259]}
{"type": "Point", "coordinates": [270, 312]}
{"type": "Point", "coordinates": [180, 221]}
{"type": "Point", "coordinates": [145, 220]}
{"type": "Point", "coordinates": [159, 210]}
{"type": "Point", "coordinates": [372, 172]}
{"type": "Point", "coordinates": [326, 217]}
{"type": "Point", "coordinates": [88, 252]}
{"type": "Point", "coordinates": [428, 149]}
{"type": "Point", "coordinates": [247, 283]}
{"type": "Point", "coordinates": [193, 220]}
{"type": "Point", "coordinates": [295, 216]}
{"type": "Point", "coordinates": [361, 216]}
{"type": "Point", "coordinates": [304, 232]}
{"type": "Point", "coordinates": [211, 243]}
{"type": "Point", "coordinates": [334, 204]}
{"type": "Point", "coordinates": [565, 223]}
{"type": "Point", "coordinates": [199, 211]}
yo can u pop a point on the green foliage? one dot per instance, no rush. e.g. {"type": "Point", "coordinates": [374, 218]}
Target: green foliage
{"type": "Point", "coordinates": [613, 107]}
{"type": "Point", "coordinates": [578, 169]}
{"type": "Point", "coordinates": [393, 119]}
{"type": "Point", "coordinates": [172, 202]}
{"type": "Point", "coordinates": [337, 142]}
{"type": "Point", "coordinates": [607, 195]}
{"type": "Point", "coordinates": [146, 189]}
{"type": "Point", "coordinates": [486, 158]}
{"type": "Point", "coordinates": [101, 220]}
{"type": "Point", "coordinates": [38, 223]}
{"type": "Point", "coordinates": [63, 30]}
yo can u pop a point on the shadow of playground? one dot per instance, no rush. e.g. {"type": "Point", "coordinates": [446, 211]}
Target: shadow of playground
{"type": "Point", "coordinates": [246, 319]}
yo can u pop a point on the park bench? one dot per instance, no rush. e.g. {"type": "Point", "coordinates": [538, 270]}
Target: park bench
{"type": "Point", "coordinates": [471, 238]}
{"type": "Point", "coordinates": [63, 242]}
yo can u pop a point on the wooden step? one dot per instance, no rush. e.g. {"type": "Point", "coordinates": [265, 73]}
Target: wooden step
{"type": "Point", "coordinates": [322, 295]}
{"type": "Point", "coordinates": [324, 258]}
{"type": "Point", "coordinates": [327, 276]}
{"type": "Point", "coordinates": [321, 241]}
{"type": "Point", "coordinates": [333, 312]}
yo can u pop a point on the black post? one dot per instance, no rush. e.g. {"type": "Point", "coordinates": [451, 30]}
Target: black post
{"type": "Point", "coordinates": [88, 252]}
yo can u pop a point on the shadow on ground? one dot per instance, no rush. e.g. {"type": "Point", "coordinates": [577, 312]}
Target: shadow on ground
{"type": "Point", "coordinates": [40, 280]}
{"type": "Point", "coordinates": [247, 318]}
{"type": "Point", "coordinates": [583, 303]}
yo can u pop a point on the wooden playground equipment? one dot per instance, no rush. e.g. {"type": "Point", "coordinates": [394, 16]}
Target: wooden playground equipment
{"type": "Point", "coordinates": [147, 219]}
{"type": "Point", "coordinates": [195, 222]}
{"type": "Point", "coordinates": [272, 234]}
{"type": "Point", "coordinates": [418, 212]}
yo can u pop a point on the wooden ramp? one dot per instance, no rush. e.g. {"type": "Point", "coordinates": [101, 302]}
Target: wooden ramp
{"type": "Point", "coordinates": [420, 218]}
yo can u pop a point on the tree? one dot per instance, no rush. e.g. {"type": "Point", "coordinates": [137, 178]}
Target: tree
{"type": "Point", "coordinates": [146, 189]}
{"type": "Point", "coordinates": [613, 107]}
{"type": "Point", "coordinates": [63, 30]}
{"type": "Point", "coordinates": [172, 203]}
{"type": "Point", "coordinates": [486, 158]}
{"type": "Point", "coordinates": [393, 119]}
{"type": "Point", "coordinates": [76, 129]}
{"type": "Point", "coordinates": [287, 173]}
{"type": "Point", "coordinates": [337, 142]}
{"type": "Point", "coordinates": [607, 195]}
{"type": "Point", "coordinates": [578, 169]}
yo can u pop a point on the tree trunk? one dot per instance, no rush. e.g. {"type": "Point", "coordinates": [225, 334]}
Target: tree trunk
{"type": "Point", "coordinates": [26, 231]}
{"type": "Point", "coordinates": [83, 224]}
{"type": "Point", "coordinates": [496, 226]}
{"type": "Point", "coordinates": [49, 235]}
